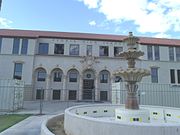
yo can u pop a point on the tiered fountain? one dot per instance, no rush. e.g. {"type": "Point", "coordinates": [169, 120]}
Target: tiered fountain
{"type": "Point", "coordinates": [132, 75]}
{"type": "Point", "coordinates": [115, 119]}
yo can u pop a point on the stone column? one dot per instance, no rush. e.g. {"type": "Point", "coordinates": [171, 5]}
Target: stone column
{"type": "Point", "coordinates": [47, 90]}
{"type": "Point", "coordinates": [64, 90]}
{"type": "Point", "coordinates": [80, 93]}
{"type": "Point", "coordinates": [97, 88]}
{"type": "Point", "coordinates": [110, 88]}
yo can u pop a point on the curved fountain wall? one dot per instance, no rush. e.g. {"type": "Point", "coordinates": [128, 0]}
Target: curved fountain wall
{"type": "Point", "coordinates": [86, 120]}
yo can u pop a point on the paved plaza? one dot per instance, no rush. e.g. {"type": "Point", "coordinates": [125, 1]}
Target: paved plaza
{"type": "Point", "coordinates": [31, 125]}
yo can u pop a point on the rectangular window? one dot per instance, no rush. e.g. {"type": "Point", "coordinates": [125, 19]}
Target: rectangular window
{"type": "Point", "coordinates": [16, 44]}
{"type": "Point", "coordinates": [72, 94]}
{"type": "Point", "coordinates": [41, 76]}
{"type": "Point", "coordinates": [177, 53]}
{"type": "Point", "coordinates": [154, 75]}
{"type": "Point", "coordinates": [149, 52]}
{"type": "Point", "coordinates": [73, 77]}
{"type": "Point", "coordinates": [74, 50]}
{"type": "Point", "coordinates": [39, 94]}
{"type": "Point", "coordinates": [43, 48]}
{"type": "Point", "coordinates": [59, 49]}
{"type": "Point", "coordinates": [156, 53]}
{"type": "Point", "coordinates": [57, 76]}
{"type": "Point", "coordinates": [104, 78]}
{"type": "Point", "coordinates": [89, 50]}
{"type": "Point", "coordinates": [171, 53]}
{"type": "Point", "coordinates": [56, 94]}
{"type": "Point", "coordinates": [0, 43]}
{"type": "Point", "coordinates": [103, 96]}
{"type": "Point", "coordinates": [178, 76]}
{"type": "Point", "coordinates": [17, 71]}
{"type": "Point", "coordinates": [117, 50]}
{"type": "Point", "coordinates": [24, 46]}
{"type": "Point", "coordinates": [172, 75]}
{"type": "Point", "coordinates": [103, 51]}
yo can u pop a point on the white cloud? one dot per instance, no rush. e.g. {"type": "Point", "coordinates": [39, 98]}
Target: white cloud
{"type": "Point", "coordinates": [162, 35]}
{"type": "Point", "coordinates": [90, 3]}
{"type": "Point", "coordinates": [5, 23]}
{"type": "Point", "coordinates": [148, 16]}
{"type": "Point", "coordinates": [92, 23]}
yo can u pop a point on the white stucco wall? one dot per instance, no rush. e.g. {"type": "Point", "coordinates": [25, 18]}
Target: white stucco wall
{"type": "Point", "coordinates": [31, 61]}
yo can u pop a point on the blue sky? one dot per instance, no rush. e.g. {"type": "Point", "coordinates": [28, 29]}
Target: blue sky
{"type": "Point", "coordinates": [143, 17]}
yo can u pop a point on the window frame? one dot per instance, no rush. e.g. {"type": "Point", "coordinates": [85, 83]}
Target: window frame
{"type": "Point", "coordinates": [24, 46]}
{"type": "Point", "coordinates": [104, 77]}
{"type": "Point", "coordinates": [116, 52]}
{"type": "Point", "coordinates": [156, 52]}
{"type": "Point", "coordinates": [103, 53]}
{"type": "Point", "coordinates": [71, 96]}
{"type": "Point", "coordinates": [19, 72]}
{"type": "Point", "coordinates": [154, 75]}
{"type": "Point", "coordinates": [172, 76]}
{"type": "Point", "coordinates": [149, 52]}
{"type": "Point", "coordinates": [59, 49]}
{"type": "Point", "coordinates": [16, 46]}
{"type": "Point", "coordinates": [55, 93]}
{"type": "Point", "coordinates": [39, 73]}
{"type": "Point", "coordinates": [45, 50]}
{"type": "Point", "coordinates": [178, 54]}
{"type": "Point", "coordinates": [74, 52]}
{"type": "Point", "coordinates": [117, 79]}
{"type": "Point", "coordinates": [73, 79]}
{"type": "Point", "coordinates": [89, 50]}
{"type": "Point", "coordinates": [57, 77]}
{"type": "Point", "coordinates": [38, 95]}
{"type": "Point", "coordinates": [171, 53]}
{"type": "Point", "coordinates": [178, 76]}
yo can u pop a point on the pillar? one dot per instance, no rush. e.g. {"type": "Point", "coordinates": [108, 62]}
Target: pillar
{"type": "Point", "coordinates": [80, 87]}
{"type": "Point", "coordinates": [47, 90]}
{"type": "Point", "coordinates": [110, 88]}
{"type": "Point", "coordinates": [97, 88]}
{"type": "Point", "coordinates": [64, 90]}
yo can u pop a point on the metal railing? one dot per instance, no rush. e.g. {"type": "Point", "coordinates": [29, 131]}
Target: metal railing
{"type": "Point", "coordinates": [11, 97]}
{"type": "Point", "coordinates": [150, 94]}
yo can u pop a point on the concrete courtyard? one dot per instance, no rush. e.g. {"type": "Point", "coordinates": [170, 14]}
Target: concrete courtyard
{"type": "Point", "coordinates": [31, 125]}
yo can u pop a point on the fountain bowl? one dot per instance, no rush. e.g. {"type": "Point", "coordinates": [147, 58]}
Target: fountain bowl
{"type": "Point", "coordinates": [100, 119]}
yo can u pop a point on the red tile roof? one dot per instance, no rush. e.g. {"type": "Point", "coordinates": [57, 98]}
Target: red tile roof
{"type": "Point", "coordinates": [85, 36]}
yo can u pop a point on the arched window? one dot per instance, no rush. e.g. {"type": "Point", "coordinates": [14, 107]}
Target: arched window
{"type": "Point", "coordinates": [118, 79]}
{"type": "Point", "coordinates": [57, 75]}
{"type": "Point", "coordinates": [41, 75]}
{"type": "Point", "coordinates": [73, 75]}
{"type": "Point", "coordinates": [104, 75]}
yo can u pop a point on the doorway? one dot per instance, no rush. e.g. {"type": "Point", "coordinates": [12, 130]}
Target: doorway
{"type": "Point", "coordinates": [88, 89]}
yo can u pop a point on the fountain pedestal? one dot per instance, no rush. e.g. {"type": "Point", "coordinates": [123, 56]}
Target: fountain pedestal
{"type": "Point", "coordinates": [132, 75]}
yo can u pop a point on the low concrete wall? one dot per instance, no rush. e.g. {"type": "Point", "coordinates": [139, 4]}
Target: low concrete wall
{"type": "Point", "coordinates": [80, 121]}
{"type": "Point", "coordinates": [50, 122]}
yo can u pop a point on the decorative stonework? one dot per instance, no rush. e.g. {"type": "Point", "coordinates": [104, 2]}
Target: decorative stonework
{"type": "Point", "coordinates": [88, 62]}
{"type": "Point", "coordinates": [132, 75]}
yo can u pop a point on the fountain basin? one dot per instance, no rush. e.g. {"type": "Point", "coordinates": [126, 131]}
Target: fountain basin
{"type": "Point", "coordinates": [100, 120]}
{"type": "Point", "coordinates": [127, 115]}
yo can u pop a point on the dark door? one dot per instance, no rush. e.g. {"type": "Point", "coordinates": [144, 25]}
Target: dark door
{"type": "Point", "coordinates": [88, 89]}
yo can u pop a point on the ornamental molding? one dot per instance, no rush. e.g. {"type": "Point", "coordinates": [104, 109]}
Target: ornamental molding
{"type": "Point", "coordinates": [89, 61]}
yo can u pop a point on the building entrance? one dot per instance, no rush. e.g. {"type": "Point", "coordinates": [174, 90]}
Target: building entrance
{"type": "Point", "coordinates": [88, 89]}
